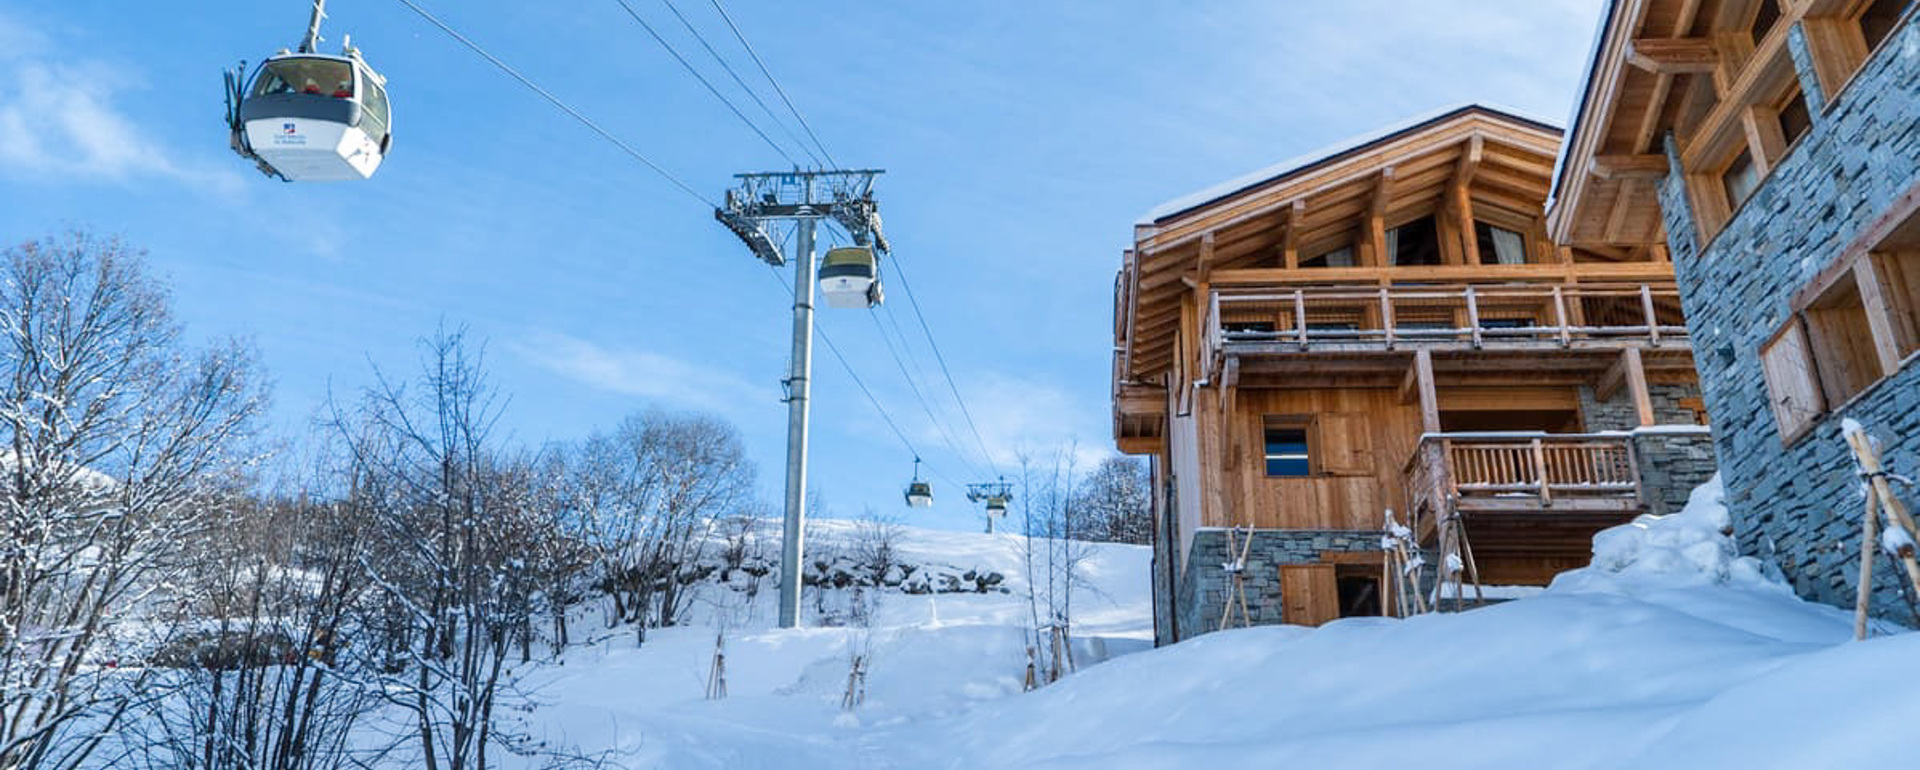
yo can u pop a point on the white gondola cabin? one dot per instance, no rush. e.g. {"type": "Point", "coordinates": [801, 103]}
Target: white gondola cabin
{"type": "Point", "coordinates": [309, 117]}
{"type": "Point", "coordinates": [920, 494]}
{"type": "Point", "coordinates": [850, 277]}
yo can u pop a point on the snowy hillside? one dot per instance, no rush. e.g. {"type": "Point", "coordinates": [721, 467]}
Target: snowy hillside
{"type": "Point", "coordinates": [1670, 654]}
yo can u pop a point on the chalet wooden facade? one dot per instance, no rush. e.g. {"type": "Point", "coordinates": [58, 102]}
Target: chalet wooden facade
{"type": "Point", "coordinates": [1388, 326]}
{"type": "Point", "coordinates": [1772, 147]}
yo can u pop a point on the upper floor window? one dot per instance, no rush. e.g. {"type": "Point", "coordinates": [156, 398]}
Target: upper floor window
{"type": "Point", "coordinates": [1499, 246]}
{"type": "Point", "coordinates": [1340, 257]}
{"type": "Point", "coordinates": [1414, 243]}
{"type": "Point", "coordinates": [1286, 448]}
{"type": "Point", "coordinates": [1740, 179]}
{"type": "Point", "coordinates": [1880, 18]}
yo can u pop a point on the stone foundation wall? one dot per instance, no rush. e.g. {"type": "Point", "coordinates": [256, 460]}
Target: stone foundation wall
{"type": "Point", "coordinates": [1672, 462]}
{"type": "Point", "coordinates": [1205, 584]}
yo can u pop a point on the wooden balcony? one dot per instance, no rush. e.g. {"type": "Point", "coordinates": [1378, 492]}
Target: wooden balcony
{"type": "Point", "coordinates": [1331, 321]}
{"type": "Point", "coordinates": [1581, 481]}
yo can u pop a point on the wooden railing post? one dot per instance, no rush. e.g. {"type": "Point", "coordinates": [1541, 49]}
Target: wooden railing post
{"type": "Point", "coordinates": [1386, 316]}
{"type": "Point", "coordinates": [1560, 316]}
{"type": "Point", "coordinates": [1653, 319]}
{"type": "Point", "coordinates": [1540, 472]}
{"type": "Point", "coordinates": [1300, 315]}
{"type": "Point", "coordinates": [1473, 316]}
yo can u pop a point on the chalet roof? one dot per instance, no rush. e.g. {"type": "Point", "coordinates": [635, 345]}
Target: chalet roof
{"type": "Point", "coordinates": [1328, 154]}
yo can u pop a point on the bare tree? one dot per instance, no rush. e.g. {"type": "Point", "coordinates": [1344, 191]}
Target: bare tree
{"type": "Point", "coordinates": [1049, 517]}
{"type": "Point", "coordinates": [118, 439]}
{"type": "Point", "coordinates": [1114, 503]}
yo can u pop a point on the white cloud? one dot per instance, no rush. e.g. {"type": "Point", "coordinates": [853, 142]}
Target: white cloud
{"type": "Point", "coordinates": [641, 373]}
{"type": "Point", "coordinates": [59, 120]}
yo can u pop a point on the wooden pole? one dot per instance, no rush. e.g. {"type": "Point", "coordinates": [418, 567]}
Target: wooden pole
{"type": "Point", "coordinates": [1869, 542]}
{"type": "Point", "coordinates": [1881, 492]}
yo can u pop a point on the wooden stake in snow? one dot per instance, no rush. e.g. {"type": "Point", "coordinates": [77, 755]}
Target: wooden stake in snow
{"type": "Point", "coordinates": [1456, 561]}
{"type": "Point", "coordinates": [1401, 569]}
{"type": "Point", "coordinates": [1033, 679]}
{"type": "Point", "coordinates": [717, 673]}
{"type": "Point", "coordinates": [1237, 570]}
{"type": "Point", "coordinates": [1901, 532]}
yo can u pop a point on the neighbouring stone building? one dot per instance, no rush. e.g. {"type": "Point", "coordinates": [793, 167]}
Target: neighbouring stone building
{"type": "Point", "coordinates": [1386, 325]}
{"type": "Point", "coordinates": [1773, 147]}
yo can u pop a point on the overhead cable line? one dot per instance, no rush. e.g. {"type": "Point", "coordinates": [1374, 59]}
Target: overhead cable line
{"type": "Point", "coordinates": [737, 35]}
{"type": "Point", "coordinates": [751, 94]}
{"type": "Point", "coordinates": [688, 66]}
{"type": "Point", "coordinates": [942, 360]}
{"type": "Point", "coordinates": [555, 101]}
{"type": "Point", "coordinates": [925, 406]}
{"type": "Point", "coordinates": [862, 385]}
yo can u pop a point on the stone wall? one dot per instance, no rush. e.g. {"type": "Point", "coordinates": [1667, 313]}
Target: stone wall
{"type": "Point", "coordinates": [1617, 413]}
{"type": "Point", "coordinates": [1205, 584]}
{"type": "Point", "coordinates": [1797, 505]}
{"type": "Point", "coordinates": [1673, 460]}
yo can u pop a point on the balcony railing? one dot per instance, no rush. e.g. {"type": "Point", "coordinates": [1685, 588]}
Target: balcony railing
{"type": "Point", "coordinates": [1469, 315]}
{"type": "Point", "coordinates": [1522, 471]}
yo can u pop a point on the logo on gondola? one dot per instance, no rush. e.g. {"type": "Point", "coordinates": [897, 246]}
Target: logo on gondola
{"type": "Point", "coordinates": [286, 128]}
{"type": "Point", "coordinates": [289, 136]}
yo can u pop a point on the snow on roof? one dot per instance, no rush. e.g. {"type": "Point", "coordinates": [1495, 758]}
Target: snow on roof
{"type": "Point", "coordinates": [1241, 183]}
{"type": "Point", "coordinates": [1580, 105]}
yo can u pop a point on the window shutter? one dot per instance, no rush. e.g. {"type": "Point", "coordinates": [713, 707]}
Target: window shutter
{"type": "Point", "coordinates": [1343, 444]}
{"type": "Point", "coordinates": [1792, 388]}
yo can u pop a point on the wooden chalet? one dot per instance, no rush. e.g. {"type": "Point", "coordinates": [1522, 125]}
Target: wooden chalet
{"type": "Point", "coordinates": [1388, 326]}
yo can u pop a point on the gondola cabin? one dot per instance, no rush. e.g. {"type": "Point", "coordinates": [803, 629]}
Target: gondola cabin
{"type": "Point", "coordinates": [920, 494]}
{"type": "Point", "coordinates": [850, 277]}
{"type": "Point", "coordinates": [315, 118]}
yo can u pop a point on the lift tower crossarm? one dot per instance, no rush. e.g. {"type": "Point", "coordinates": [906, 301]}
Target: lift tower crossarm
{"type": "Point", "coordinates": [802, 198]}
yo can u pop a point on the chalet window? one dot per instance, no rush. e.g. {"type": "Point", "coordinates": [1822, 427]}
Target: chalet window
{"type": "Point", "coordinates": [1500, 246]}
{"type": "Point", "coordinates": [1287, 448]}
{"type": "Point", "coordinates": [1792, 391]}
{"type": "Point", "coordinates": [1340, 257]}
{"type": "Point", "coordinates": [1739, 180]}
{"type": "Point", "coordinates": [1795, 120]}
{"type": "Point", "coordinates": [1841, 341]}
{"type": "Point", "coordinates": [1899, 275]}
{"type": "Point", "coordinates": [1880, 19]}
{"type": "Point", "coordinates": [1247, 328]}
{"type": "Point", "coordinates": [1414, 243]}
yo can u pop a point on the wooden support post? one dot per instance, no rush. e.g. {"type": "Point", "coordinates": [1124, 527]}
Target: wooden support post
{"type": "Point", "coordinates": [1653, 319]}
{"type": "Point", "coordinates": [1290, 239]}
{"type": "Point", "coordinates": [1636, 381]}
{"type": "Point", "coordinates": [1429, 394]}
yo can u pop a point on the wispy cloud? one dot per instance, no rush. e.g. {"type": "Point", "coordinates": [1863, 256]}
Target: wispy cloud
{"type": "Point", "coordinates": [641, 373]}
{"type": "Point", "coordinates": [59, 120]}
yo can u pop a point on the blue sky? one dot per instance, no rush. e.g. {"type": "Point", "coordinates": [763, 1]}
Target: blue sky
{"type": "Point", "coordinates": [1021, 141]}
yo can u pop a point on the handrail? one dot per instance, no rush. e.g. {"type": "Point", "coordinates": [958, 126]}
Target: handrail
{"type": "Point", "coordinates": [1449, 466]}
{"type": "Point", "coordinates": [1476, 314]}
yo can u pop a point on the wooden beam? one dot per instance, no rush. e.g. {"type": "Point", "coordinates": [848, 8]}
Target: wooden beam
{"type": "Point", "coordinates": [1628, 166]}
{"type": "Point", "coordinates": [1206, 255]}
{"type": "Point", "coordinates": [1628, 372]}
{"type": "Point", "coordinates": [1469, 163]}
{"type": "Point", "coordinates": [1382, 186]}
{"type": "Point", "coordinates": [1290, 240]}
{"type": "Point", "coordinates": [1429, 396]}
{"type": "Point", "coordinates": [1462, 204]}
{"type": "Point", "coordinates": [1674, 55]}
{"type": "Point", "coordinates": [1376, 240]}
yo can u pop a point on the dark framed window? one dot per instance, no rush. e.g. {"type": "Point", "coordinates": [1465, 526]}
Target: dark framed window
{"type": "Point", "coordinates": [1287, 448]}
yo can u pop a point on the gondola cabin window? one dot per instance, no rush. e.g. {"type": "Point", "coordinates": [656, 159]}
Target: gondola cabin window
{"type": "Point", "coordinates": [318, 77]}
{"type": "Point", "coordinates": [1287, 448]}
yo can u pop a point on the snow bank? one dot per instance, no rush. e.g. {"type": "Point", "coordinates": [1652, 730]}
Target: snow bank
{"type": "Point", "coordinates": [1690, 548]}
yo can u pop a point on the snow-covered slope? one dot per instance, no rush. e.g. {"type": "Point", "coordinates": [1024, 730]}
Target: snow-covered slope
{"type": "Point", "coordinates": [1670, 652]}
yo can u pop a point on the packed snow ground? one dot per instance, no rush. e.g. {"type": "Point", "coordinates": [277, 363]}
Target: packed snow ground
{"type": "Point", "coordinates": [1669, 652]}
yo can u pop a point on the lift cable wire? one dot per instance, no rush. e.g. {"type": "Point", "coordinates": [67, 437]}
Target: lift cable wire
{"type": "Point", "coordinates": [688, 66]}
{"type": "Point", "coordinates": [884, 416]}
{"type": "Point", "coordinates": [737, 80]}
{"type": "Point", "coordinates": [555, 101]}
{"type": "Point", "coordinates": [942, 360]}
{"type": "Point", "coordinates": [946, 433]}
{"type": "Point", "coordinates": [737, 35]}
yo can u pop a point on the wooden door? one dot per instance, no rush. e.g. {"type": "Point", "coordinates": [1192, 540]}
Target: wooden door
{"type": "Point", "coordinates": [1310, 594]}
